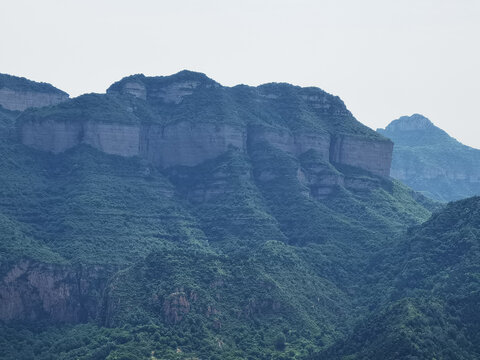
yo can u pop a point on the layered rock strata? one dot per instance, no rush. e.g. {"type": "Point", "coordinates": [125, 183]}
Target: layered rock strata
{"type": "Point", "coordinates": [189, 144]}
{"type": "Point", "coordinates": [21, 100]}
{"type": "Point", "coordinates": [18, 94]}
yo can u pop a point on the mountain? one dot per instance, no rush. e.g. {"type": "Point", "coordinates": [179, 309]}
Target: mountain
{"type": "Point", "coordinates": [173, 217]}
{"type": "Point", "coordinates": [431, 308]}
{"type": "Point", "coordinates": [188, 118]}
{"type": "Point", "coordinates": [18, 93]}
{"type": "Point", "coordinates": [427, 159]}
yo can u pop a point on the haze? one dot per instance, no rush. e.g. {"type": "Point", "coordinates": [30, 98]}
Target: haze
{"type": "Point", "coordinates": [384, 58]}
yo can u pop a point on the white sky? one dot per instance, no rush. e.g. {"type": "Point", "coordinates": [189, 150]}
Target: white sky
{"type": "Point", "coordinates": [384, 58]}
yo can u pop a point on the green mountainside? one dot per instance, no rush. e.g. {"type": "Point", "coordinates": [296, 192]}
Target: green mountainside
{"type": "Point", "coordinates": [430, 161]}
{"type": "Point", "coordinates": [257, 254]}
{"type": "Point", "coordinates": [431, 306]}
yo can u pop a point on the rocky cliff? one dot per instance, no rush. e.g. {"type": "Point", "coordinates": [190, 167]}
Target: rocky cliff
{"type": "Point", "coordinates": [18, 94]}
{"type": "Point", "coordinates": [33, 291]}
{"type": "Point", "coordinates": [430, 161]}
{"type": "Point", "coordinates": [187, 118]}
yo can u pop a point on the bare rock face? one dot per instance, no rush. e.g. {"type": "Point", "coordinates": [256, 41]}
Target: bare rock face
{"type": "Point", "coordinates": [292, 143]}
{"type": "Point", "coordinates": [136, 89]}
{"type": "Point", "coordinates": [19, 100]}
{"type": "Point", "coordinates": [175, 92]}
{"type": "Point", "coordinates": [189, 144]}
{"type": "Point", "coordinates": [52, 136]}
{"type": "Point", "coordinates": [32, 291]}
{"type": "Point", "coordinates": [115, 139]}
{"type": "Point", "coordinates": [58, 136]}
{"type": "Point", "coordinates": [18, 94]}
{"type": "Point", "coordinates": [371, 155]}
{"type": "Point", "coordinates": [175, 307]}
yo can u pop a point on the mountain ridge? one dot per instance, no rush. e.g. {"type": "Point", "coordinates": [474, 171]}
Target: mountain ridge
{"type": "Point", "coordinates": [199, 119]}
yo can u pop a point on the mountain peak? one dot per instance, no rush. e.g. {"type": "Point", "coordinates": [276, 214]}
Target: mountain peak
{"type": "Point", "coordinates": [415, 130]}
{"type": "Point", "coordinates": [410, 123]}
{"type": "Point", "coordinates": [429, 160]}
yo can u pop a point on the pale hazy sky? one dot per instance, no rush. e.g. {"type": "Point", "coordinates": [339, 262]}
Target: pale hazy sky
{"type": "Point", "coordinates": [384, 58]}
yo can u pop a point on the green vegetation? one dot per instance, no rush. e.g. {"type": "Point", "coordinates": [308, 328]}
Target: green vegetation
{"type": "Point", "coordinates": [22, 84]}
{"type": "Point", "coordinates": [431, 285]}
{"type": "Point", "coordinates": [93, 107]}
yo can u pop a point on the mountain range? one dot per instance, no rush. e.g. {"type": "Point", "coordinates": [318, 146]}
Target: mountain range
{"type": "Point", "coordinates": [175, 218]}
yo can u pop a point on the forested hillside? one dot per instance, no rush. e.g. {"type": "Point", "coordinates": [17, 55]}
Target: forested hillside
{"type": "Point", "coordinates": [266, 248]}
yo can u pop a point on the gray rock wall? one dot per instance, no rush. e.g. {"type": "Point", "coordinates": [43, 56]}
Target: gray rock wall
{"type": "Point", "coordinates": [21, 100]}
{"type": "Point", "coordinates": [51, 136]}
{"type": "Point", "coordinates": [371, 155]}
{"type": "Point", "coordinates": [189, 144]}
{"type": "Point", "coordinates": [289, 142]}
{"type": "Point", "coordinates": [112, 139]}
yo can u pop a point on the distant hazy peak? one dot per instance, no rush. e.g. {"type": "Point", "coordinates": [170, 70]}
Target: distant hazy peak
{"type": "Point", "coordinates": [432, 162]}
{"type": "Point", "coordinates": [410, 123]}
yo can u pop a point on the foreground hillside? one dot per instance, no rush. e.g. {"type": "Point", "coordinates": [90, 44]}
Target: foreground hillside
{"type": "Point", "coordinates": [430, 161]}
{"type": "Point", "coordinates": [432, 286]}
{"type": "Point", "coordinates": [121, 240]}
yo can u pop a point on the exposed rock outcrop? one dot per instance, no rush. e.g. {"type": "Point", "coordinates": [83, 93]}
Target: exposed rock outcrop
{"type": "Point", "coordinates": [373, 156]}
{"type": "Point", "coordinates": [18, 94]}
{"type": "Point", "coordinates": [186, 143]}
{"type": "Point", "coordinates": [32, 291]}
{"type": "Point", "coordinates": [190, 144]}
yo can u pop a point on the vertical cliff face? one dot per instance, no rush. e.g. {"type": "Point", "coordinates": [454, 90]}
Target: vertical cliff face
{"type": "Point", "coordinates": [373, 156]}
{"type": "Point", "coordinates": [18, 94]}
{"type": "Point", "coordinates": [31, 291]}
{"type": "Point", "coordinates": [188, 118]}
{"type": "Point", "coordinates": [52, 136]}
{"type": "Point", "coordinates": [189, 144]}
{"type": "Point", "coordinates": [290, 142]}
{"type": "Point", "coordinates": [116, 139]}
{"type": "Point", "coordinates": [430, 161]}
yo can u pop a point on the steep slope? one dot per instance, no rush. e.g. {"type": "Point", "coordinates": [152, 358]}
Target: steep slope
{"type": "Point", "coordinates": [432, 303]}
{"type": "Point", "coordinates": [430, 161]}
{"type": "Point", "coordinates": [18, 94]}
{"type": "Point", "coordinates": [136, 244]}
